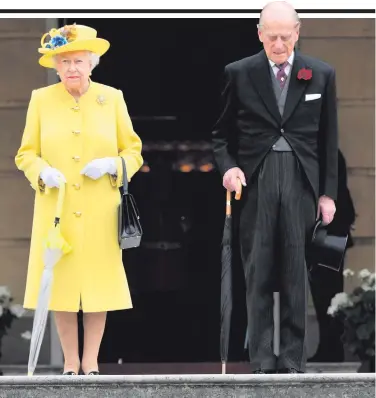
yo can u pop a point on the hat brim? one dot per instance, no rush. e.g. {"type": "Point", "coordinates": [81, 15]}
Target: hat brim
{"type": "Point", "coordinates": [96, 45]}
{"type": "Point", "coordinates": [326, 250]}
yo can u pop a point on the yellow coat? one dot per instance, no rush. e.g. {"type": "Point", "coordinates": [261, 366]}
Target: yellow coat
{"type": "Point", "coordinates": [66, 135]}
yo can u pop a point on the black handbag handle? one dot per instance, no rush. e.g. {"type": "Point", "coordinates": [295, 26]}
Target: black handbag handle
{"type": "Point", "coordinates": [124, 188]}
{"type": "Point", "coordinates": [125, 179]}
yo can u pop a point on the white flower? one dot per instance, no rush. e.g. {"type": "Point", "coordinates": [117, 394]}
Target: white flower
{"type": "Point", "coordinates": [348, 272]}
{"type": "Point", "coordinates": [340, 300]}
{"type": "Point", "coordinates": [368, 283]}
{"type": "Point", "coordinates": [371, 280]}
{"type": "Point", "coordinates": [26, 335]}
{"type": "Point", "coordinates": [4, 291]}
{"type": "Point", "coordinates": [368, 279]}
{"type": "Point", "coordinates": [364, 274]}
{"type": "Point", "coordinates": [366, 287]}
{"type": "Point", "coordinates": [17, 310]}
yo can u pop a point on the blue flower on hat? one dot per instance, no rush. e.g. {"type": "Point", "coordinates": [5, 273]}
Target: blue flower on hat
{"type": "Point", "coordinates": [58, 41]}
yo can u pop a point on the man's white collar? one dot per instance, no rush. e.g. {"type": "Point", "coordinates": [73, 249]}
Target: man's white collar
{"type": "Point", "coordinates": [290, 60]}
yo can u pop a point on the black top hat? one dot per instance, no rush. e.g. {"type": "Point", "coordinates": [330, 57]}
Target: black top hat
{"type": "Point", "coordinates": [326, 250]}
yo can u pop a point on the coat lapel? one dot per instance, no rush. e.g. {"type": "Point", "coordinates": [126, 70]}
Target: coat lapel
{"type": "Point", "coordinates": [296, 88]}
{"type": "Point", "coordinates": [260, 76]}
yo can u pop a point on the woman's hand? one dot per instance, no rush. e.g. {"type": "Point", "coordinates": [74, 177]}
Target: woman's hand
{"type": "Point", "coordinates": [51, 177]}
{"type": "Point", "coordinates": [99, 167]}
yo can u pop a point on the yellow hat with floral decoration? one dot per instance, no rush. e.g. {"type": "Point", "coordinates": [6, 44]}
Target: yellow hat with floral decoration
{"type": "Point", "coordinates": [70, 38]}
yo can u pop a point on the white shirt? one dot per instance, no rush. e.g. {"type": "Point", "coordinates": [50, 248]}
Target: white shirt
{"type": "Point", "coordinates": [288, 67]}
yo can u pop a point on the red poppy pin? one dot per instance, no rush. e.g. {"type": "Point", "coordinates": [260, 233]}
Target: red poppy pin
{"type": "Point", "coordinates": [305, 74]}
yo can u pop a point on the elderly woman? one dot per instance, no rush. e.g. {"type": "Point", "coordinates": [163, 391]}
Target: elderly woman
{"type": "Point", "coordinates": [77, 131]}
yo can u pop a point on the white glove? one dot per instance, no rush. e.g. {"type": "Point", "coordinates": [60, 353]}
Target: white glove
{"type": "Point", "coordinates": [99, 167]}
{"type": "Point", "coordinates": [51, 177]}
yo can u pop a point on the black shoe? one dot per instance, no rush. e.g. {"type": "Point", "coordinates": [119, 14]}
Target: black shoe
{"type": "Point", "coordinates": [289, 371]}
{"type": "Point", "coordinates": [70, 373]}
{"type": "Point", "coordinates": [93, 373]}
{"type": "Point", "coordinates": [263, 371]}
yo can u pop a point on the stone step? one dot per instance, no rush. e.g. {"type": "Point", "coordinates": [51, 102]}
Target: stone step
{"type": "Point", "coordinates": [350, 385]}
{"type": "Point", "coordinates": [178, 368]}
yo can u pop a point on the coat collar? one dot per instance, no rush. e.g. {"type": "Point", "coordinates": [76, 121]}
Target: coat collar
{"type": "Point", "coordinates": [91, 94]}
{"type": "Point", "coordinates": [296, 87]}
{"type": "Point", "coordinates": [259, 73]}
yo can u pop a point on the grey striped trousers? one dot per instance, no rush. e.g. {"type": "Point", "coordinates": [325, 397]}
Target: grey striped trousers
{"type": "Point", "coordinates": [277, 216]}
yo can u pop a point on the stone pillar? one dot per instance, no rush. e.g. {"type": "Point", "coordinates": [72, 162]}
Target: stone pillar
{"type": "Point", "coordinates": [20, 73]}
{"type": "Point", "coordinates": [349, 46]}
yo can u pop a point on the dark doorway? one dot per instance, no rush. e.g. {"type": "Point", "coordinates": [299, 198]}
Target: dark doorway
{"type": "Point", "coordinates": [172, 67]}
{"type": "Point", "coordinates": [170, 71]}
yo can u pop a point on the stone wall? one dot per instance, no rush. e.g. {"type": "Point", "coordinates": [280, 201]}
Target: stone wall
{"type": "Point", "coordinates": [349, 45]}
{"type": "Point", "coordinates": [19, 75]}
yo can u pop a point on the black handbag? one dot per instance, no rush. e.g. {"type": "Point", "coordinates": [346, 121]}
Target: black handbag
{"type": "Point", "coordinates": [130, 230]}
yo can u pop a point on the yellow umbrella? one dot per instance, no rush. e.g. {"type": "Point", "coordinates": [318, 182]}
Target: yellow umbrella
{"type": "Point", "coordinates": [55, 247]}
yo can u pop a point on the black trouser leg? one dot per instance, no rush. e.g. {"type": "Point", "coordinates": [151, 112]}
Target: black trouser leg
{"type": "Point", "coordinates": [297, 216]}
{"type": "Point", "coordinates": [277, 204]}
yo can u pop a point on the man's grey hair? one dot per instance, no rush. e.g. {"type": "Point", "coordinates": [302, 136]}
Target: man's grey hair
{"type": "Point", "coordinates": [294, 13]}
{"type": "Point", "coordinates": [94, 59]}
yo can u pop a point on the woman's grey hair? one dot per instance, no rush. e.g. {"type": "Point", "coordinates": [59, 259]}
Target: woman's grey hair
{"type": "Point", "coordinates": [94, 59]}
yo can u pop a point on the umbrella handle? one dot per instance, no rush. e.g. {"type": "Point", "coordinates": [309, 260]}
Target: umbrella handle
{"type": "Point", "coordinates": [237, 197]}
{"type": "Point", "coordinates": [60, 200]}
{"type": "Point", "coordinates": [238, 194]}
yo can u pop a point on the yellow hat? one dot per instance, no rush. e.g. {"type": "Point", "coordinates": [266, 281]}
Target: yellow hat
{"type": "Point", "coordinates": [70, 38]}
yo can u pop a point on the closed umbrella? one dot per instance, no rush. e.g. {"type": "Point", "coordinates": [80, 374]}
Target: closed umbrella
{"type": "Point", "coordinates": [55, 248]}
{"type": "Point", "coordinates": [226, 280]}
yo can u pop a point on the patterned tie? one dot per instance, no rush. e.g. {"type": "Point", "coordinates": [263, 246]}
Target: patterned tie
{"type": "Point", "coordinates": [281, 75]}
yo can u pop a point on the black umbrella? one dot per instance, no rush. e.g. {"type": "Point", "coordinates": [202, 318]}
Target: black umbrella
{"type": "Point", "coordinates": [226, 280]}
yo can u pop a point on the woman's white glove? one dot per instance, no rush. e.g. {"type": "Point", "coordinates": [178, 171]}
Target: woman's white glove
{"type": "Point", "coordinates": [52, 177]}
{"type": "Point", "coordinates": [99, 167]}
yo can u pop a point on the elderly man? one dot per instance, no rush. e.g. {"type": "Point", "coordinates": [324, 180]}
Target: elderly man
{"type": "Point", "coordinates": [277, 134]}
